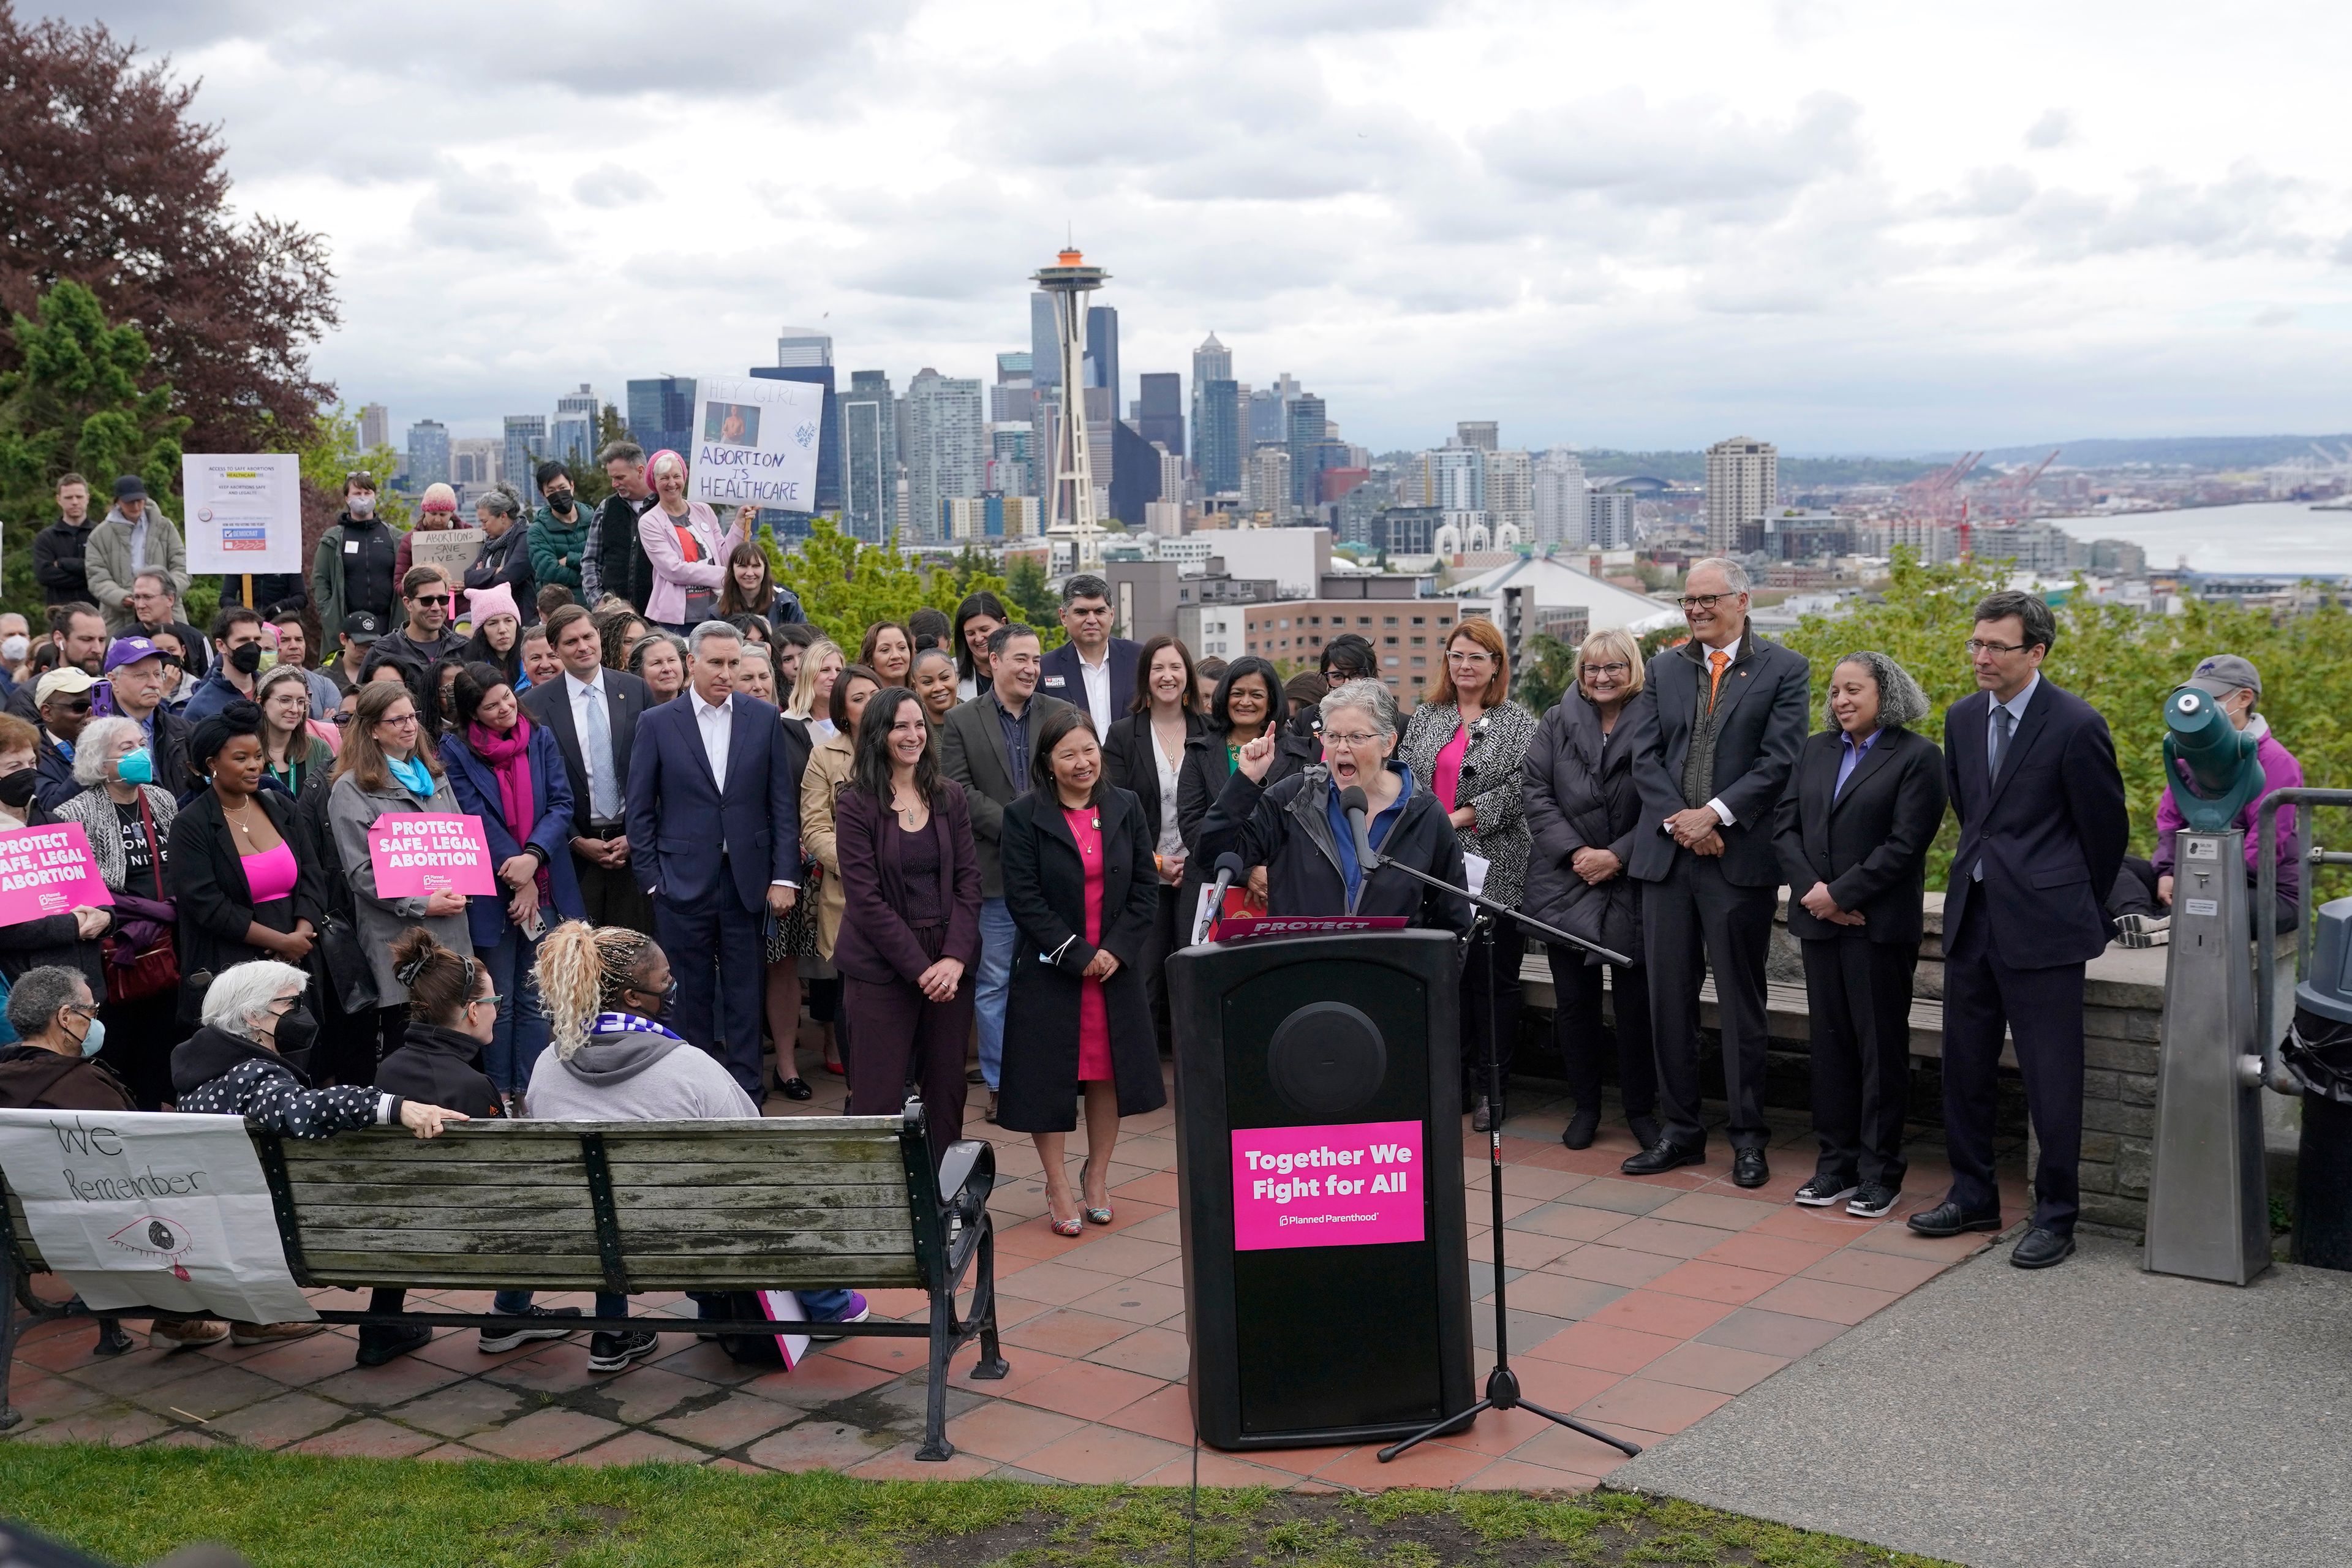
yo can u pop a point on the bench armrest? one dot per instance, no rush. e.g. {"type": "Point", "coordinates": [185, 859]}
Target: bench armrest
{"type": "Point", "coordinates": [967, 1176]}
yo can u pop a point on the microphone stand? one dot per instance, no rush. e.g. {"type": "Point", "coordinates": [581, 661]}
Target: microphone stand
{"type": "Point", "coordinates": [1502, 1382]}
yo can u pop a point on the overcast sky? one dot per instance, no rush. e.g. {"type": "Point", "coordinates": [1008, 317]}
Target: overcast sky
{"type": "Point", "coordinates": [1844, 226]}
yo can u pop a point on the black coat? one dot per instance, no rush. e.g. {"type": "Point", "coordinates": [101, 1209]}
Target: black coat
{"type": "Point", "coordinates": [52, 939]}
{"type": "Point", "coordinates": [58, 564]}
{"type": "Point", "coordinates": [439, 1066]}
{"type": "Point", "coordinates": [1761, 716]}
{"type": "Point", "coordinates": [1128, 753]}
{"type": "Point", "coordinates": [1046, 892]}
{"type": "Point", "coordinates": [507, 559]}
{"type": "Point", "coordinates": [619, 557]}
{"type": "Point", "coordinates": [1576, 789]}
{"type": "Point", "coordinates": [1286, 828]}
{"type": "Point", "coordinates": [207, 878]}
{"type": "Point", "coordinates": [1868, 841]}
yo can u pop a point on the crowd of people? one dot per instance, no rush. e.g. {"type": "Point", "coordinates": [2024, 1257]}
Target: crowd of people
{"type": "Point", "coordinates": [706, 818]}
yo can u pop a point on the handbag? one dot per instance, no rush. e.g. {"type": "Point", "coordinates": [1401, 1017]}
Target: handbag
{"type": "Point", "coordinates": [349, 977]}
{"type": "Point", "coordinates": [135, 975]}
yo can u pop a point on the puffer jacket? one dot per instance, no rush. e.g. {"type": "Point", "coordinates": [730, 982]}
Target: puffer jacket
{"type": "Point", "coordinates": [1286, 828]}
{"type": "Point", "coordinates": [1576, 790]}
{"type": "Point", "coordinates": [556, 548]}
{"type": "Point", "coordinates": [215, 1073]}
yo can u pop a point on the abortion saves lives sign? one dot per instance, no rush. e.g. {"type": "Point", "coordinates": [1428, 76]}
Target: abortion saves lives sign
{"type": "Point", "coordinates": [417, 856]}
{"type": "Point", "coordinates": [46, 870]}
{"type": "Point", "coordinates": [1351, 1185]}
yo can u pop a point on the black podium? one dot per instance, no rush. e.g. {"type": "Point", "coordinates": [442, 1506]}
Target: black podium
{"type": "Point", "coordinates": [1319, 1173]}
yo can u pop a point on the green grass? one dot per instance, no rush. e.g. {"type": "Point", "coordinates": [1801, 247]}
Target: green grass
{"type": "Point", "coordinates": [133, 1506]}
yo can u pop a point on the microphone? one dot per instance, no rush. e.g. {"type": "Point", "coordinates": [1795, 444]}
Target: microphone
{"type": "Point", "coordinates": [1352, 802]}
{"type": "Point", "coordinates": [1229, 865]}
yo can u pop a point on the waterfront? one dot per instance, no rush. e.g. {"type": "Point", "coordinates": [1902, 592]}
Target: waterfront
{"type": "Point", "coordinates": [2254, 536]}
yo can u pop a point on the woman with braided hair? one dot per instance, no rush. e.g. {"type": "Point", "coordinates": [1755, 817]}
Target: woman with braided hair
{"type": "Point", "coordinates": [604, 988]}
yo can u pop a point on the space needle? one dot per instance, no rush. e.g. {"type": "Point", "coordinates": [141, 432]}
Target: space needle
{"type": "Point", "coordinates": [1070, 503]}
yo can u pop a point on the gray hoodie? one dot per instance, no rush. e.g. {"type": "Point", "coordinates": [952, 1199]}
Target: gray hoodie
{"type": "Point", "coordinates": [634, 1077]}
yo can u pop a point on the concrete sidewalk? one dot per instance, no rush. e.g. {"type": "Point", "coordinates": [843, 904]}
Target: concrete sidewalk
{"type": "Point", "coordinates": [2089, 1414]}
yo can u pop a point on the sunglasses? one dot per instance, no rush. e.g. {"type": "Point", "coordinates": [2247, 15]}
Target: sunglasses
{"type": "Point", "coordinates": [430, 599]}
{"type": "Point", "coordinates": [73, 705]}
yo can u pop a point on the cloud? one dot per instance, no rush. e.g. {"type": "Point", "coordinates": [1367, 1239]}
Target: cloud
{"type": "Point", "coordinates": [610, 185]}
{"type": "Point", "coordinates": [2054, 129]}
{"type": "Point", "coordinates": [1693, 155]}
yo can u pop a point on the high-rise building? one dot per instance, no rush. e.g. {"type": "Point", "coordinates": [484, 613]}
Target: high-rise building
{"type": "Point", "coordinates": [477, 460]}
{"type": "Point", "coordinates": [1309, 428]}
{"type": "Point", "coordinates": [828, 498]}
{"type": "Point", "coordinates": [1210, 362]}
{"type": "Point", "coordinates": [1609, 524]}
{"type": "Point", "coordinates": [1045, 348]}
{"type": "Point", "coordinates": [428, 453]}
{"type": "Point", "coordinates": [526, 444]}
{"type": "Point", "coordinates": [1510, 492]}
{"type": "Point", "coordinates": [947, 447]}
{"type": "Point", "coordinates": [571, 438]}
{"type": "Point", "coordinates": [1135, 474]}
{"type": "Point", "coordinates": [1457, 478]}
{"type": "Point", "coordinates": [804, 348]}
{"type": "Point", "coordinates": [1012, 459]}
{"type": "Point", "coordinates": [1218, 443]}
{"type": "Point", "coordinates": [375, 426]}
{"type": "Point", "coordinates": [661, 413]}
{"type": "Point", "coordinates": [1013, 400]}
{"type": "Point", "coordinates": [1266, 485]}
{"type": "Point", "coordinates": [1171, 475]}
{"type": "Point", "coordinates": [1743, 481]}
{"type": "Point", "coordinates": [1476, 433]}
{"type": "Point", "coordinates": [1561, 516]}
{"type": "Point", "coordinates": [1159, 413]}
{"type": "Point", "coordinates": [870, 456]}
{"type": "Point", "coordinates": [1102, 350]}
{"type": "Point", "coordinates": [1268, 416]}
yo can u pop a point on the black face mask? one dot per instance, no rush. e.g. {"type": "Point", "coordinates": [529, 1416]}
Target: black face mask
{"type": "Point", "coordinates": [297, 1031]}
{"type": "Point", "coordinates": [16, 789]}
{"type": "Point", "coordinates": [560, 501]}
{"type": "Point", "coordinates": [244, 661]}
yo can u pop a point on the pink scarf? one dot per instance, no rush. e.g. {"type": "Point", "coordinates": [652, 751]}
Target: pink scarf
{"type": "Point", "coordinates": [510, 758]}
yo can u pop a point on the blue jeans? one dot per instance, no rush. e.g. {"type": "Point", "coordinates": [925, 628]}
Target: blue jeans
{"type": "Point", "coordinates": [998, 936]}
{"type": "Point", "coordinates": [522, 1030]}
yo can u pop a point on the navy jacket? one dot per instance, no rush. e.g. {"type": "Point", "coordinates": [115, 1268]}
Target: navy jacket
{"type": "Point", "coordinates": [475, 785]}
{"type": "Point", "coordinates": [683, 823]}
{"type": "Point", "coordinates": [2051, 832]}
{"type": "Point", "coordinates": [1057, 676]}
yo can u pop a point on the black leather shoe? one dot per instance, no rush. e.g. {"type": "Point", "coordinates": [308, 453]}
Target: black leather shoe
{"type": "Point", "coordinates": [2039, 1248]}
{"type": "Point", "coordinates": [1948, 1219]}
{"type": "Point", "coordinates": [795, 1089]}
{"type": "Point", "coordinates": [1644, 1129]}
{"type": "Point", "coordinates": [1748, 1168]}
{"type": "Point", "coordinates": [1664, 1154]}
{"type": "Point", "coordinates": [1581, 1129]}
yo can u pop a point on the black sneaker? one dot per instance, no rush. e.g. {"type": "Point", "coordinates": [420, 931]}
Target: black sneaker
{"type": "Point", "coordinates": [530, 1323]}
{"type": "Point", "coordinates": [1824, 1189]}
{"type": "Point", "coordinates": [1873, 1200]}
{"type": "Point", "coordinates": [384, 1343]}
{"type": "Point", "coordinates": [613, 1352]}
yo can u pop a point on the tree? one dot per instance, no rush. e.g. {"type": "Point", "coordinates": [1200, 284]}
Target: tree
{"type": "Point", "coordinates": [83, 397]}
{"type": "Point", "coordinates": [1031, 600]}
{"type": "Point", "coordinates": [846, 585]}
{"type": "Point", "coordinates": [106, 181]}
{"type": "Point", "coordinates": [1546, 665]}
{"type": "Point", "coordinates": [588, 481]}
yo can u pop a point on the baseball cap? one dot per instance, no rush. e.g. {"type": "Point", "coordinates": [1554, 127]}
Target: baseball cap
{"type": "Point", "coordinates": [130, 487]}
{"type": "Point", "coordinates": [2224, 673]}
{"type": "Point", "coordinates": [130, 651]}
{"type": "Point", "coordinates": [363, 627]}
{"type": "Point", "coordinates": [68, 679]}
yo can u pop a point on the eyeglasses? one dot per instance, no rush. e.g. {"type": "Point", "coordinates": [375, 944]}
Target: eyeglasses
{"type": "Point", "coordinates": [1468, 655]}
{"type": "Point", "coordinates": [1978, 644]}
{"type": "Point", "coordinates": [492, 1000]}
{"type": "Point", "coordinates": [1337, 739]}
{"type": "Point", "coordinates": [404, 719]}
{"type": "Point", "coordinates": [1616, 670]}
{"type": "Point", "coordinates": [1702, 601]}
{"type": "Point", "coordinates": [430, 599]}
{"type": "Point", "coordinates": [342, 718]}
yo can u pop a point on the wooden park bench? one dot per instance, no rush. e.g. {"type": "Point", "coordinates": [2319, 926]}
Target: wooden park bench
{"type": "Point", "coordinates": [789, 1202]}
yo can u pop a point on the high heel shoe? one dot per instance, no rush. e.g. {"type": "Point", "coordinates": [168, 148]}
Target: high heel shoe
{"type": "Point", "coordinates": [1060, 1226]}
{"type": "Point", "coordinates": [1100, 1213]}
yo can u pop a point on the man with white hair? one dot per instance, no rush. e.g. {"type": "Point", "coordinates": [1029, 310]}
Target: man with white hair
{"type": "Point", "coordinates": [1712, 757]}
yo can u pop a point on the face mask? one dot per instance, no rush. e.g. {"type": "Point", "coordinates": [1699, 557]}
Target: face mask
{"type": "Point", "coordinates": [16, 788]}
{"type": "Point", "coordinates": [95, 1041]}
{"type": "Point", "coordinates": [561, 500]}
{"type": "Point", "coordinates": [360, 506]}
{"type": "Point", "coordinates": [135, 767]}
{"type": "Point", "coordinates": [14, 648]}
{"type": "Point", "coordinates": [295, 1031]}
{"type": "Point", "coordinates": [244, 661]}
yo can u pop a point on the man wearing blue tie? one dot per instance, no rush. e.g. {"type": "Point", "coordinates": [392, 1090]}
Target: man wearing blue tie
{"type": "Point", "coordinates": [714, 836]}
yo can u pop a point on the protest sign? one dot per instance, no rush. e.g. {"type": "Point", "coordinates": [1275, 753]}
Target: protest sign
{"type": "Point", "coordinates": [244, 513]}
{"type": "Point", "coordinates": [755, 442]}
{"type": "Point", "coordinates": [417, 856]}
{"type": "Point", "coordinates": [1346, 1185]}
{"type": "Point", "coordinates": [153, 1209]}
{"type": "Point", "coordinates": [46, 870]}
{"type": "Point", "coordinates": [451, 548]}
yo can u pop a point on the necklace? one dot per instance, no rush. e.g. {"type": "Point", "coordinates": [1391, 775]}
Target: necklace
{"type": "Point", "coordinates": [239, 826]}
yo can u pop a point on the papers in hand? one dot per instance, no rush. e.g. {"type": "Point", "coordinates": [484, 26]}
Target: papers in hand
{"type": "Point", "coordinates": [1473, 868]}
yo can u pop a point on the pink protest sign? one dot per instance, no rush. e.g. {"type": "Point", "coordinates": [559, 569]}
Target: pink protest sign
{"type": "Point", "coordinates": [46, 871]}
{"type": "Point", "coordinates": [1351, 1184]}
{"type": "Point", "coordinates": [418, 855]}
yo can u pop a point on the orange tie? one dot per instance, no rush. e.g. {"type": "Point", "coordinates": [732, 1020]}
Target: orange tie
{"type": "Point", "coordinates": [1715, 661]}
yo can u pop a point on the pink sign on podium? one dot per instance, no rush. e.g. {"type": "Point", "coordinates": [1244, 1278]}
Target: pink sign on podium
{"type": "Point", "coordinates": [1258, 928]}
{"type": "Point", "coordinates": [1346, 1184]}
{"type": "Point", "coordinates": [420, 855]}
{"type": "Point", "coordinates": [46, 870]}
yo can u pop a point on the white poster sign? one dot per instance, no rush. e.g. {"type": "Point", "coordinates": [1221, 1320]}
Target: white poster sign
{"type": "Point", "coordinates": [245, 513]}
{"type": "Point", "coordinates": [141, 1209]}
{"type": "Point", "coordinates": [755, 443]}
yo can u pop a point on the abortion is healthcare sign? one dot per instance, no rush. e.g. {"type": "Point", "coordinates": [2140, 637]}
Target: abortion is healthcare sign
{"type": "Point", "coordinates": [1353, 1185]}
{"type": "Point", "coordinates": [46, 870]}
{"type": "Point", "coordinates": [417, 856]}
{"type": "Point", "coordinates": [755, 442]}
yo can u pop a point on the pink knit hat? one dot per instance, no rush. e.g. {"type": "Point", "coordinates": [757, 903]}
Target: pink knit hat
{"type": "Point", "coordinates": [653, 464]}
{"type": "Point", "coordinates": [490, 602]}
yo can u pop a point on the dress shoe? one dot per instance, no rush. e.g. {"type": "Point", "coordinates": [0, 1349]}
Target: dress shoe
{"type": "Point", "coordinates": [2039, 1248]}
{"type": "Point", "coordinates": [1482, 1117]}
{"type": "Point", "coordinates": [1948, 1219]}
{"type": "Point", "coordinates": [1748, 1168]}
{"type": "Point", "coordinates": [795, 1088]}
{"type": "Point", "coordinates": [1646, 1129]}
{"type": "Point", "coordinates": [1664, 1154]}
{"type": "Point", "coordinates": [1582, 1127]}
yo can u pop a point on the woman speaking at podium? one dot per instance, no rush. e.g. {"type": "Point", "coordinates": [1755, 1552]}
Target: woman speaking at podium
{"type": "Point", "coordinates": [1298, 830]}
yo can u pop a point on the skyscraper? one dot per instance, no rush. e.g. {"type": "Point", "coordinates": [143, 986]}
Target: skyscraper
{"type": "Point", "coordinates": [428, 454]}
{"type": "Point", "coordinates": [1743, 481]}
{"type": "Point", "coordinates": [1268, 418]}
{"type": "Point", "coordinates": [1045, 348]}
{"type": "Point", "coordinates": [1457, 478]}
{"type": "Point", "coordinates": [1561, 513]}
{"type": "Point", "coordinates": [947, 447]}
{"type": "Point", "coordinates": [1510, 492]}
{"type": "Point", "coordinates": [526, 445]}
{"type": "Point", "coordinates": [1014, 399]}
{"type": "Point", "coordinates": [661, 413]}
{"type": "Point", "coordinates": [1610, 523]}
{"type": "Point", "coordinates": [1161, 412]}
{"type": "Point", "coordinates": [1217, 441]}
{"type": "Point", "coordinates": [1477, 434]}
{"type": "Point", "coordinates": [1307, 431]}
{"type": "Point", "coordinates": [870, 456]}
{"type": "Point", "coordinates": [1134, 476]}
{"type": "Point", "coordinates": [828, 439]}
{"type": "Point", "coordinates": [1102, 351]}
{"type": "Point", "coordinates": [572, 437]}
{"type": "Point", "coordinates": [1268, 483]}
{"type": "Point", "coordinates": [804, 348]}
{"type": "Point", "coordinates": [1210, 362]}
{"type": "Point", "coordinates": [375, 426]}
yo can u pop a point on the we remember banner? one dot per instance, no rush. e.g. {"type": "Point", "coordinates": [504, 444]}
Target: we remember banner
{"type": "Point", "coordinates": [418, 855]}
{"type": "Point", "coordinates": [46, 870]}
{"type": "Point", "coordinates": [755, 442]}
{"type": "Point", "coordinates": [151, 1209]}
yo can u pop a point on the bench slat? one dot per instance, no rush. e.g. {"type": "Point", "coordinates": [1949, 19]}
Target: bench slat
{"type": "Point", "coordinates": [574, 1222]}
{"type": "Point", "coordinates": [531, 1243]}
{"type": "Point", "coordinates": [664, 1271]}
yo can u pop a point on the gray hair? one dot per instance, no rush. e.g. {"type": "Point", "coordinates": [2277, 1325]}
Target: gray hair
{"type": "Point", "coordinates": [92, 764]}
{"type": "Point", "coordinates": [620, 452]}
{"type": "Point", "coordinates": [1901, 703]}
{"type": "Point", "coordinates": [162, 581]}
{"type": "Point", "coordinates": [244, 993]}
{"type": "Point", "coordinates": [34, 998]}
{"type": "Point", "coordinates": [501, 498]}
{"type": "Point", "coordinates": [751, 645]}
{"type": "Point", "coordinates": [706, 630]}
{"type": "Point", "coordinates": [1369, 696]}
{"type": "Point", "coordinates": [1084, 586]}
{"type": "Point", "coordinates": [1735, 575]}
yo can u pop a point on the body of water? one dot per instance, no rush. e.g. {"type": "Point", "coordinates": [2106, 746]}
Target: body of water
{"type": "Point", "coordinates": [2254, 536]}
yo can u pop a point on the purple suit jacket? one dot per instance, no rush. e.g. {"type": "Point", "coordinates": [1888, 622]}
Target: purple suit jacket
{"type": "Point", "coordinates": [875, 943]}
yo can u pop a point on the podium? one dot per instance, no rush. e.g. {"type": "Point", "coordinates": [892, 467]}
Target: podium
{"type": "Point", "coordinates": [1319, 1173]}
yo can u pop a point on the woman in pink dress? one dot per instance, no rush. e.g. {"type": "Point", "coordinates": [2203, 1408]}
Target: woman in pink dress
{"type": "Point", "coordinates": [1080, 885]}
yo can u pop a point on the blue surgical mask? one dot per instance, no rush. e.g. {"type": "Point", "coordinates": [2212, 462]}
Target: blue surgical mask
{"type": "Point", "coordinates": [95, 1041]}
{"type": "Point", "coordinates": [135, 767]}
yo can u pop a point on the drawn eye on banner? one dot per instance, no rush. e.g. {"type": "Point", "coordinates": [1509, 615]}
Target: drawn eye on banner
{"type": "Point", "coordinates": [151, 1236]}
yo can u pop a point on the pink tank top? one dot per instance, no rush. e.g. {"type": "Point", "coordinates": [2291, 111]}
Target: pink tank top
{"type": "Point", "coordinates": [270, 874]}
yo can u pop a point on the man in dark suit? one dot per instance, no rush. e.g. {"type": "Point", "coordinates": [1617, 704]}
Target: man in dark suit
{"type": "Point", "coordinates": [1094, 669]}
{"type": "Point", "coordinates": [1711, 759]}
{"type": "Point", "coordinates": [714, 836]}
{"type": "Point", "coordinates": [2031, 772]}
{"type": "Point", "coordinates": [984, 745]}
{"type": "Point", "coordinates": [593, 712]}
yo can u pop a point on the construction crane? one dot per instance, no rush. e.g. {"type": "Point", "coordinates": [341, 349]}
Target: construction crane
{"type": "Point", "coordinates": [2016, 489]}
{"type": "Point", "coordinates": [1936, 497]}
